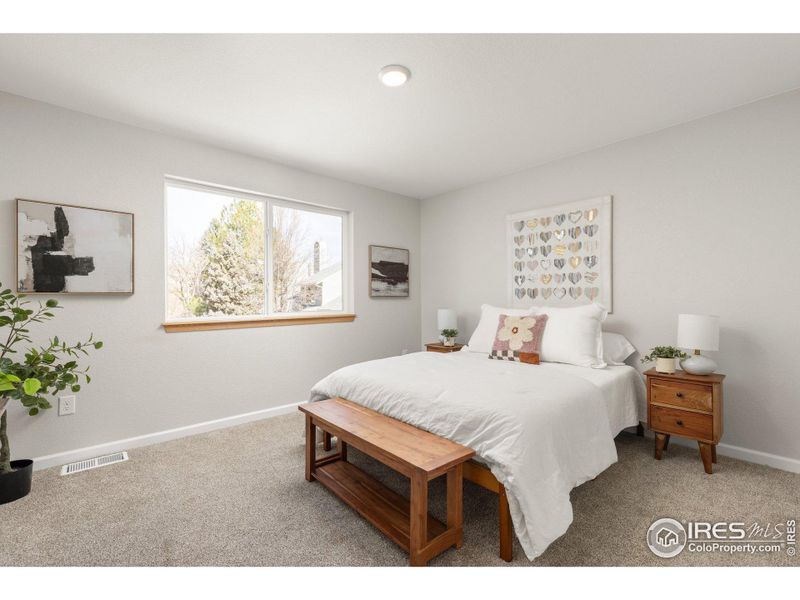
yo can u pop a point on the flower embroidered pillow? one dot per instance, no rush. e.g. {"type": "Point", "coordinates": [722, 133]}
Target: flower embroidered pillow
{"type": "Point", "coordinates": [483, 336]}
{"type": "Point", "coordinates": [518, 338]}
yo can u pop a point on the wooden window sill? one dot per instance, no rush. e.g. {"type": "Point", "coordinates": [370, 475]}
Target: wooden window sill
{"type": "Point", "coordinates": [275, 321]}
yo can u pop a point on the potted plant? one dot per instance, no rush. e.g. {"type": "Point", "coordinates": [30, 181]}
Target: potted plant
{"type": "Point", "coordinates": [449, 336]}
{"type": "Point", "coordinates": [29, 374]}
{"type": "Point", "coordinates": [664, 357]}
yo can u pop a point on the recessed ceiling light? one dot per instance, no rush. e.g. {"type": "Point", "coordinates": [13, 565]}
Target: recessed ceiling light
{"type": "Point", "coordinates": [394, 75]}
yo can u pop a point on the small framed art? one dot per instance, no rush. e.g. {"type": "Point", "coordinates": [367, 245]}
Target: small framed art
{"type": "Point", "coordinates": [388, 272]}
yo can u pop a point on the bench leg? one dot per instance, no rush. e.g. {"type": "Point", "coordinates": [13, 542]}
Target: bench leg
{"type": "Point", "coordinates": [342, 450]}
{"type": "Point", "coordinates": [326, 441]}
{"type": "Point", "coordinates": [455, 500]}
{"type": "Point", "coordinates": [418, 537]}
{"type": "Point", "coordinates": [506, 530]}
{"type": "Point", "coordinates": [311, 448]}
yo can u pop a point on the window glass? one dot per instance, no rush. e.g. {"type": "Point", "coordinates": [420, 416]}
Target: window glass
{"type": "Point", "coordinates": [220, 265]}
{"type": "Point", "coordinates": [306, 260]}
{"type": "Point", "coordinates": [216, 254]}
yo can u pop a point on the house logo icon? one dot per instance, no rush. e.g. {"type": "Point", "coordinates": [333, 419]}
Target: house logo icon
{"type": "Point", "coordinates": [666, 538]}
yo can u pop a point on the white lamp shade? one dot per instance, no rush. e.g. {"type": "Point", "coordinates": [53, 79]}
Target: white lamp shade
{"type": "Point", "coordinates": [446, 318]}
{"type": "Point", "coordinates": [698, 332]}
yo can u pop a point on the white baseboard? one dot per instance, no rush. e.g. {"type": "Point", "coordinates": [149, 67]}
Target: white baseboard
{"type": "Point", "coordinates": [51, 460]}
{"type": "Point", "coordinates": [754, 456]}
{"type": "Point", "coordinates": [761, 458]}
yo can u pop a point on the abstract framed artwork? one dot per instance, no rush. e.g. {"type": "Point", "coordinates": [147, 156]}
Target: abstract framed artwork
{"type": "Point", "coordinates": [388, 272]}
{"type": "Point", "coordinates": [73, 250]}
{"type": "Point", "coordinates": [560, 255]}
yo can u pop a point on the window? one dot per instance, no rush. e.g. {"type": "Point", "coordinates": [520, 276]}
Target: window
{"type": "Point", "coordinates": [234, 256]}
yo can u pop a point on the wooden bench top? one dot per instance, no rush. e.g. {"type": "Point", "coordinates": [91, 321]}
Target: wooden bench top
{"type": "Point", "coordinates": [401, 446]}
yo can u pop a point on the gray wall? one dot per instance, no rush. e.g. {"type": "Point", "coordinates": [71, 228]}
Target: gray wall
{"type": "Point", "coordinates": [706, 220]}
{"type": "Point", "coordinates": [146, 380]}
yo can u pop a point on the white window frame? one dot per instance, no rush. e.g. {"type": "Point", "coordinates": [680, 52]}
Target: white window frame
{"type": "Point", "coordinates": [270, 201]}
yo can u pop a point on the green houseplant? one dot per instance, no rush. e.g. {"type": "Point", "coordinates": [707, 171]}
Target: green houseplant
{"type": "Point", "coordinates": [664, 357]}
{"type": "Point", "coordinates": [449, 336]}
{"type": "Point", "coordinates": [29, 373]}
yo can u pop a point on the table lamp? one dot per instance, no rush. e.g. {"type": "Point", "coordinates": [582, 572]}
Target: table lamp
{"type": "Point", "coordinates": [698, 332]}
{"type": "Point", "coordinates": [446, 318]}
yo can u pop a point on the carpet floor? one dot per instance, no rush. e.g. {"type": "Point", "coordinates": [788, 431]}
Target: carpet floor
{"type": "Point", "coordinates": [238, 497]}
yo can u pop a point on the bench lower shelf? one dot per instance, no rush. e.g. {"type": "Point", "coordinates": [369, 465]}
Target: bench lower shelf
{"type": "Point", "coordinates": [384, 508]}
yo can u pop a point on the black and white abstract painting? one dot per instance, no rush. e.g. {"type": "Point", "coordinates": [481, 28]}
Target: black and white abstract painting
{"type": "Point", "coordinates": [388, 276]}
{"type": "Point", "coordinates": [70, 249]}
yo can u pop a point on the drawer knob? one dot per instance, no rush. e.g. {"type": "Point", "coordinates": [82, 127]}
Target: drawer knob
{"type": "Point", "coordinates": [679, 394]}
{"type": "Point", "coordinates": [679, 422]}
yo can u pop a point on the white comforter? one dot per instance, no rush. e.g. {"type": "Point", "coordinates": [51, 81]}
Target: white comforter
{"type": "Point", "coordinates": [541, 429]}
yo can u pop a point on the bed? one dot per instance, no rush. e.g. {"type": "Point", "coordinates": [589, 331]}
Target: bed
{"type": "Point", "coordinates": [540, 429]}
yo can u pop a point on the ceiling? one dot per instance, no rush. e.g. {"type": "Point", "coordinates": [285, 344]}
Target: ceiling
{"type": "Point", "coordinates": [475, 108]}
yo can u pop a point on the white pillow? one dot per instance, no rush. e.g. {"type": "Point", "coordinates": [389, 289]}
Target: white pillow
{"type": "Point", "coordinates": [573, 335]}
{"type": "Point", "coordinates": [483, 337]}
{"type": "Point", "coordinates": [616, 348]}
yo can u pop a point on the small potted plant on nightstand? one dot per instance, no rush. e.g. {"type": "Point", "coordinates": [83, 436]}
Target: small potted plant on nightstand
{"type": "Point", "coordinates": [664, 357]}
{"type": "Point", "coordinates": [30, 374]}
{"type": "Point", "coordinates": [449, 336]}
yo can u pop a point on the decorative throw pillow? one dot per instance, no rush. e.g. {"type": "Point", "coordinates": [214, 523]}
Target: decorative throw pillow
{"type": "Point", "coordinates": [518, 338]}
{"type": "Point", "coordinates": [483, 336]}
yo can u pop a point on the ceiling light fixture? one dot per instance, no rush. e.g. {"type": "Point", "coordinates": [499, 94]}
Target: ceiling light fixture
{"type": "Point", "coordinates": [394, 75]}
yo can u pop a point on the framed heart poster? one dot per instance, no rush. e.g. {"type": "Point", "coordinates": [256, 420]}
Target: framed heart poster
{"type": "Point", "coordinates": [560, 255]}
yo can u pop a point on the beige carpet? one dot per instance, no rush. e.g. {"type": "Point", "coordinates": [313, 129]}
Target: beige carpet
{"type": "Point", "coordinates": [238, 497]}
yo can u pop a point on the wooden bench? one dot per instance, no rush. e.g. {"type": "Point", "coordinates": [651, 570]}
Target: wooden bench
{"type": "Point", "coordinates": [417, 454]}
{"type": "Point", "coordinates": [480, 474]}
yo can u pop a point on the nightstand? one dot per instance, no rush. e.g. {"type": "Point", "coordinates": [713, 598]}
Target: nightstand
{"type": "Point", "coordinates": [686, 405]}
{"type": "Point", "coordinates": [439, 347]}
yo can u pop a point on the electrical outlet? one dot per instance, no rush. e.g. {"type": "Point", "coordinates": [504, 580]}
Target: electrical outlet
{"type": "Point", "coordinates": [404, 351]}
{"type": "Point", "coordinates": [66, 405]}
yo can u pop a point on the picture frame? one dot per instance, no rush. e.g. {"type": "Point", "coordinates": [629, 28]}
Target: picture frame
{"type": "Point", "coordinates": [561, 255]}
{"type": "Point", "coordinates": [389, 272]}
{"type": "Point", "coordinates": [70, 249]}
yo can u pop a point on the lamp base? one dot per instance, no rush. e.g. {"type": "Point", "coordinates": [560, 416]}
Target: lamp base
{"type": "Point", "coordinates": [698, 365]}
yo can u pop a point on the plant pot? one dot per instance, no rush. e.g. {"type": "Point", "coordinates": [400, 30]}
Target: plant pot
{"type": "Point", "coordinates": [665, 365]}
{"type": "Point", "coordinates": [449, 341]}
{"type": "Point", "coordinates": [17, 484]}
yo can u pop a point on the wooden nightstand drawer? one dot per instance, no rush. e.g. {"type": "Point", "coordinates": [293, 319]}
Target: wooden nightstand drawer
{"type": "Point", "coordinates": [681, 395]}
{"type": "Point", "coordinates": [681, 422]}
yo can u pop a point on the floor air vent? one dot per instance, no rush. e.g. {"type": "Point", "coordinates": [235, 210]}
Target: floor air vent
{"type": "Point", "coordinates": [93, 463]}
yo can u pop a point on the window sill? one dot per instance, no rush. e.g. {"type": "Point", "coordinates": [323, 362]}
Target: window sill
{"type": "Point", "coordinates": [210, 324]}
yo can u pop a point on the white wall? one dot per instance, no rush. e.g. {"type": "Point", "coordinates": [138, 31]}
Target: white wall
{"type": "Point", "coordinates": [146, 380]}
{"type": "Point", "coordinates": [706, 220]}
{"type": "Point", "coordinates": [720, 196]}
